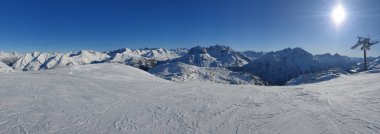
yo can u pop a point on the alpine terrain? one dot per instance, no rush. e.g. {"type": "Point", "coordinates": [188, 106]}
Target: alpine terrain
{"type": "Point", "coordinates": [115, 98]}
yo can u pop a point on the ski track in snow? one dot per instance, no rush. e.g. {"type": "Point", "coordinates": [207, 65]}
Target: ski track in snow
{"type": "Point", "coordinates": [112, 98]}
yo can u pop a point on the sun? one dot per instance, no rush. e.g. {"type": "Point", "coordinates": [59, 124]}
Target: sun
{"type": "Point", "coordinates": [338, 14]}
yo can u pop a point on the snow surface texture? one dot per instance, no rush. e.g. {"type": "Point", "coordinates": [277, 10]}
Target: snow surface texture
{"type": "Point", "coordinates": [114, 98]}
{"type": "Point", "coordinates": [181, 72]}
{"type": "Point", "coordinates": [317, 77]}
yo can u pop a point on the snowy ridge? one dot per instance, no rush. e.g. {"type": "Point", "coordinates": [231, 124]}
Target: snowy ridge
{"type": "Point", "coordinates": [317, 77]}
{"type": "Point", "coordinates": [140, 58]}
{"type": "Point", "coordinates": [37, 61]}
{"type": "Point", "coordinates": [159, 54]}
{"type": "Point", "coordinates": [247, 67]}
{"type": "Point", "coordinates": [252, 55]}
{"type": "Point", "coordinates": [181, 72]}
{"type": "Point", "coordinates": [9, 58]}
{"type": "Point", "coordinates": [180, 51]}
{"type": "Point", "coordinates": [114, 98]}
{"type": "Point", "coordinates": [373, 64]}
{"type": "Point", "coordinates": [336, 60]}
{"type": "Point", "coordinates": [4, 68]}
{"type": "Point", "coordinates": [213, 56]}
{"type": "Point", "coordinates": [280, 66]}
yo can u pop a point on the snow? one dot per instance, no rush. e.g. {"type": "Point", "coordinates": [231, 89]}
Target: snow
{"type": "Point", "coordinates": [344, 62]}
{"type": "Point", "coordinates": [281, 66]}
{"type": "Point", "coordinates": [373, 64]}
{"type": "Point", "coordinates": [9, 58]}
{"type": "Point", "coordinates": [4, 68]}
{"type": "Point", "coordinates": [115, 98]}
{"type": "Point", "coordinates": [317, 77]}
{"type": "Point", "coordinates": [181, 72]}
{"type": "Point", "coordinates": [37, 60]}
{"type": "Point", "coordinates": [213, 56]}
{"type": "Point", "coordinates": [253, 55]}
{"type": "Point", "coordinates": [180, 51]}
{"type": "Point", "coordinates": [158, 54]}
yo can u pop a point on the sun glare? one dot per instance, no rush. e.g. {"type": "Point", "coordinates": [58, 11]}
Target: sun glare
{"type": "Point", "coordinates": [338, 14]}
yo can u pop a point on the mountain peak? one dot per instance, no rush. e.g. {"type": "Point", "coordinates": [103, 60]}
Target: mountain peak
{"type": "Point", "coordinates": [287, 62]}
{"type": "Point", "coordinates": [198, 50]}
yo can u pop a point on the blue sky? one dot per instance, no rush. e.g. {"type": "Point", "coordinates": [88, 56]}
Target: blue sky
{"type": "Point", "coordinates": [260, 25]}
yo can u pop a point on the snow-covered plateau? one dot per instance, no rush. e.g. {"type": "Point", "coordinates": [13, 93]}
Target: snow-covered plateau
{"type": "Point", "coordinates": [115, 98]}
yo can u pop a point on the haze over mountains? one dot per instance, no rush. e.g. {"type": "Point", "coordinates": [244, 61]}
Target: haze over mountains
{"type": "Point", "coordinates": [217, 63]}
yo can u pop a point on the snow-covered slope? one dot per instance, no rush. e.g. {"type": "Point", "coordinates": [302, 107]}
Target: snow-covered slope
{"type": "Point", "coordinates": [198, 56]}
{"type": "Point", "coordinates": [180, 51]}
{"type": "Point", "coordinates": [132, 58]}
{"type": "Point", "coordinates": [372, 64]}
{"type": "Point", "coordinates": [280, 66]}
{"type": "Point", "coordinates": [38, 60]}
{"type": "Point", "coordinates": [213, 56]}
{"type": "Point", "coordinates": [159, 54]}
{"type": "Point", "coordinates": [141, 58]}
{"type": "Point", "coordinates": [227, 56]}
{"type": "Point", "coordinates": [375, 64]}
{"type": "Point", "coordinates": [336, 60]}
{"type": "Point", "coordinates": [253, 55]}
{"type": "Point", "coordinates": [317, 77]}
{"type": "Point", "coordinates": [181, 72]}
{"type": "Point", "coordinates": [4, 68]}
{"type": "Point", "coordinates": [9, 58]}
{"type": "Point", "coordinates": [114, 98]}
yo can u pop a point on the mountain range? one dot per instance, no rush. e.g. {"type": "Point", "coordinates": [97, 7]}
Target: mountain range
{"type": "Point", "coordinates": [216, 63]}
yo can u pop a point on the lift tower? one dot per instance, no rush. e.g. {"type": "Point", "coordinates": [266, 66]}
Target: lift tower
{"type": "Point", "coordinates": [366, 43]}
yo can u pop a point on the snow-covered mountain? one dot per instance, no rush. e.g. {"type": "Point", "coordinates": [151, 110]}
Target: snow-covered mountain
{"type": "Point", "coordinates": [213, 56]}
{"type": "Point", "coordinates": [373, 63]}
{"type": "Point", "coordinates": [141, 58]}
{"type": "Point", "coordinates": [5, 68]}
{"type": "Point", "coordinates": [317, 77]}
{"type": "Point", "coordinates": [344, 62]}
{"type": "Point", "coordinates": [180, 51]}
{"type": "Point", "coordinates": [181, 72]}
{"type": "Point", "coordinates": [38, 60]}
{"type": "Point", "coordinates": [116, 99]}
{"type": "Point", "coordinates": [9, 58]}
{"type": "Point", "coordinates": [132, 58]}
{"type": "Point", "coordinates": [280, 66]}
{"type": "Point", "coordinates": [159, 54]}
{"type": "Point", "coordinates": [253, 55]}
{"type": "Point", "coordinates": [275, 67]}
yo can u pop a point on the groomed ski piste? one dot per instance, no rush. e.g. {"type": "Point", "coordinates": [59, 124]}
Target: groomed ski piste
{"type": "Point", "coordinates": [115, 98]}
